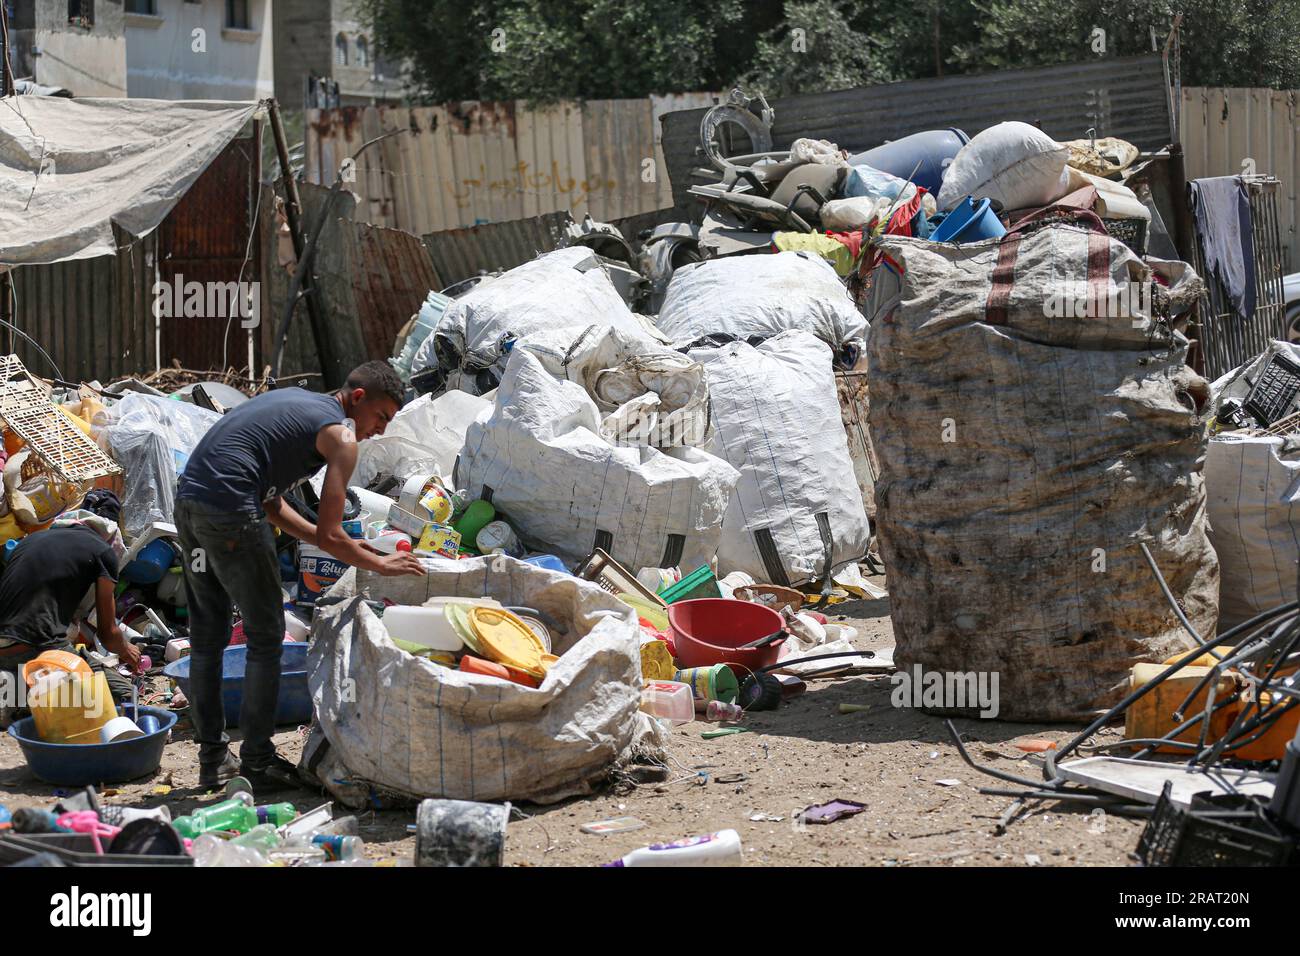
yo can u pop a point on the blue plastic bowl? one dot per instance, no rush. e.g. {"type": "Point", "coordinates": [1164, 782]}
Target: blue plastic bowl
{"type": "Point", "coordinates": [293, 706]}
{"type": "Point", "coordinates": [969, 222]}
{"type": "Point", "coordinates": [76, 765]}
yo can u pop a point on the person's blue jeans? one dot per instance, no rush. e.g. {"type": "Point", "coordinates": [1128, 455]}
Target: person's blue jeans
{"type": "Point", "coordinates": [229, 558]}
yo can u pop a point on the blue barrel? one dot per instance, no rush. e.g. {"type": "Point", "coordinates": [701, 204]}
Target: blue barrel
{"type": "Point", "coordinates": [932, 149]}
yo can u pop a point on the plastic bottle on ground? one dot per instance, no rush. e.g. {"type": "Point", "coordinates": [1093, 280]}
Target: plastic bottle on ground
{"type": "Point", "coordinates": [212, 850]}
{"type": "Point", "coordinates": [712, 849]}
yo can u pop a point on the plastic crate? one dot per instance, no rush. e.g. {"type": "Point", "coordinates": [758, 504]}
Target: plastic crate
{"type": "Point", "coordinates": [76, 849]}
{"type": "Point", "coordinates": [1220, 830]}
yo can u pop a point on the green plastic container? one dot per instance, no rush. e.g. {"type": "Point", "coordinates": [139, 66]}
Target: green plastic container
{"type": "Point", "coordinates": [700, 583]}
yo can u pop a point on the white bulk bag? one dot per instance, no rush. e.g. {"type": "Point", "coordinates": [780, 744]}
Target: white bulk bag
{"type": "Point", "coordinates": [394, 724]}
{"type": "Point", "coordinates": [648, 393]}
{"type": "Point", "coordinates": [757, 297]}
{"type": "Point", "coordinates": [562, 289]}
{"type": "Point", "coordinates": [1252, 487]}
{"type": "Point", "coordinates": [541, 460]}
{"type": "Point", "coordinates": [776, 418]}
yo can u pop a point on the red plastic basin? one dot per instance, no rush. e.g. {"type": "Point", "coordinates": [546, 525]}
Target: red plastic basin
{"type": "Point", "coordinates": [708, 631]}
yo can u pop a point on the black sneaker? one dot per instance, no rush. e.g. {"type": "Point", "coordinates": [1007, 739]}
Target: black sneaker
{"type": "Point", "coordinates": [213, 775]}
{"type": "Point", "coordinates": [277, 774]}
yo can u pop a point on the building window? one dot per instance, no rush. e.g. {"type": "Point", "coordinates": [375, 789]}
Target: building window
{"type": "Point", "coordinates": [237, 15]}
{"type": "Point", "coordinates": [81, 13]}
{"type": "Point", "coordinates": [147, 7]}
{"type": "Point", "coordinates": [341, 50]}
{"type": "Point", "coordinates": [363, 52]}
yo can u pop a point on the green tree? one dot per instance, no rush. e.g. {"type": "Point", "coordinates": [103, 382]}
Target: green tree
{"type": "Point", "coordinates": [547, 50]}
{"type": "Point", "coordinates": [1256, 43]}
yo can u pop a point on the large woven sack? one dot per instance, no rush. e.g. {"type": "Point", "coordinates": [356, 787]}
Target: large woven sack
{"type": "Point", "coordinates": [404, 726]}
{"type": "Point", "coordinates": [752, 298]}
{"type": "Point", "coordinates": [561, 289]}
{"type": "Point", "coordinates": [797, 511]}
{"type": "Point", "coordinates": [1024, 456]}
{"type": "Point", "coordinates": [541, 459]}
{"type": "Point", "coordinates": [1253, 488]}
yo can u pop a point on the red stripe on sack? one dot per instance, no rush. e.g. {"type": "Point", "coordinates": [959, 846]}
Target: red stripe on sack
{"type": "Point", "coordinates": [1004, 278]}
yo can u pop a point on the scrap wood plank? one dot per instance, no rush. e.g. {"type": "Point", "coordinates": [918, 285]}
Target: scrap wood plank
{"type": "Point", "coordinates": [27, 411]}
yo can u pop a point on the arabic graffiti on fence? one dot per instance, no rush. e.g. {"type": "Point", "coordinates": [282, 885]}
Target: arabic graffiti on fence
{"type": "Point", "coordinates": [526, 181]}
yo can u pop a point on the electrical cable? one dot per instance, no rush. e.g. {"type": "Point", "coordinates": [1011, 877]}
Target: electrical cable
{"type": "Point", "coordinates": [36, 345]}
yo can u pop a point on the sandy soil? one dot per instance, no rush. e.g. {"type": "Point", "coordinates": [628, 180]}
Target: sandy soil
{"type": "Point", "coordinates": [899, 762]}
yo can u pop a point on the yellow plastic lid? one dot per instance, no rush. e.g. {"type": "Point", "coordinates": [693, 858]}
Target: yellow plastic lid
{"type": "Point", "coordinates": [509, 641]}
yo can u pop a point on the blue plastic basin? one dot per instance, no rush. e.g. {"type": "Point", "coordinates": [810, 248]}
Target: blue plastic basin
{"type": "Point", "coordinates": [969, 222]}
{"type": "Point", "coordinates": [293, 706]}
{"type": "Point", "coordinates": [76, 765]}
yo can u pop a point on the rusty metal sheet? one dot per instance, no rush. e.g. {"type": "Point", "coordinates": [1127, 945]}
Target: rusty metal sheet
{"type": "Point", "coordinates": [459, 254]}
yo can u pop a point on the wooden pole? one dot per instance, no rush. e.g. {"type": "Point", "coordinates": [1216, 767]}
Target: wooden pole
{"type": "Point", "coordinates": [331, 371]}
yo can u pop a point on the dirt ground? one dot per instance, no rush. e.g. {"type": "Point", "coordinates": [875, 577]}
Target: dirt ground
{"type": "Point", "coordinates": [901, 763]}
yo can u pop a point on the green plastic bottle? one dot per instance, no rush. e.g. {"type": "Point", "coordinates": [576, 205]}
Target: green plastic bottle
{"type": "Point", "coordinates": [264, 836]}
{"type": "Point", "coordinates": [236, 814]}
{"type": "Point", "coordinates": [477, 516]}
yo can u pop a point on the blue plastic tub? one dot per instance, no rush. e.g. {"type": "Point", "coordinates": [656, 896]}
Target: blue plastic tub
{"type": "Point", "coordinates": [151, 563]}
{"type": "Point", "coordinates": [76, 765]}
{"type": "Point", "coordinates": [294, 703]}
{"type": "Point", "coordinates": [969, 222]}
{"type": "Point", "coordinates": [933, 149]}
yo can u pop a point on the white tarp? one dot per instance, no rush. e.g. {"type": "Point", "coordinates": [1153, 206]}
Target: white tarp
{"type": "Point", "coordinates": [71, 168]}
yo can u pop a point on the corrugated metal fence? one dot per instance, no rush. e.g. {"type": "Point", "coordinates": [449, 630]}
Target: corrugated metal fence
{"type": "Point", "coordinates": [463, 164]}
{"type": "Point", "coordinates": [1226, 132]}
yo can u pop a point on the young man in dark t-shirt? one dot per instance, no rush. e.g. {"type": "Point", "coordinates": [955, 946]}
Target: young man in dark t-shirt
{"type": "Point", "coordinates": [45, 580]}
{"type": "Point", "coordinates": [227, 499]}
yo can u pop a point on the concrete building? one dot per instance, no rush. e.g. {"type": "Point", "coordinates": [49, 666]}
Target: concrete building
{"type": "Point", "coordinates": [79, 45]}
{"type": "Point", "coordinates": [199, 49]}
{"type": "Point", "coordinates": [202, 49]}
{"type": "Point", "coordinates": [324, 40]}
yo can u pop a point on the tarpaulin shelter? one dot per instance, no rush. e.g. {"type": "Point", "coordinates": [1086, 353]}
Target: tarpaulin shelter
{"type": "Point", "coordinates": [71, 169]}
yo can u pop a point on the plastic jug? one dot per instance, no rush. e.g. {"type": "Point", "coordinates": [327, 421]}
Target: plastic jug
{"type": "Point", "coordinates": [477, 516]}
{"type": "Point", "coordinates": [390, 540]}
{"type": "Point", "coordinates": [713, 849]}
{"type": "Point", "coordinates": [498, 536]}
{"type": "Point", "coordinates": [426, 626]}
{"type": "Point", "coordinates": [71, 708]}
